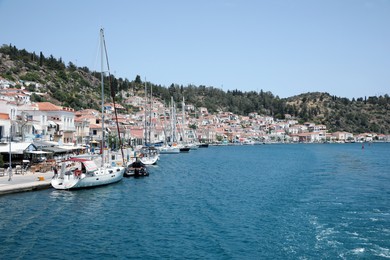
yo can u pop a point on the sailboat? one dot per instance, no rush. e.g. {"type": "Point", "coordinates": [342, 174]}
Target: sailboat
{"type": "Point", "coordinates": [166, 148]}
{"type": "Point", "coordinates": [77, 173]}
{"type": "Point", "coordinates": [149, 155]}
{"type": "Point", "coordinates": [184, 147]}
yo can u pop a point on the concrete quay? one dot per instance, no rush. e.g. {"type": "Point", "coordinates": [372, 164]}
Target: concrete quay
{"type": "Point", "coordinates": [25, 182]}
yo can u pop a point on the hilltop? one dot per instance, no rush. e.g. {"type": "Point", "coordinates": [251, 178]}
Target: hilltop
{"type": "Point", "coordinates": [356, 116]}
{"type": "Point", "coordinates": [49, 79]}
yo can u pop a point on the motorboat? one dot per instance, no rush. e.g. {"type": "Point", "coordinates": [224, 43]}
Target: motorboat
{"type": "Point", "coordinates": [136, 169]}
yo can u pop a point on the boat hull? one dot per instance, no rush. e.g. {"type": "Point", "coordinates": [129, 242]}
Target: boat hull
{"type": "Point", "coordinates": [137, 172]}
{"type": "Point", "coordinates": [149, 160]}
{"type": "Point", "coordinates": [100, 178]}
{"type": "Point", "coordinates": [169, 150]}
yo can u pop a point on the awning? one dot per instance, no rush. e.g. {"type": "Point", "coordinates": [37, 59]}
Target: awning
{"type": "Point", "coordinates": [37, 127]}
{"type": "Point", "coordinates": [38, 152]}
{"type": "Point", "coordinates": [71, 148]}
{"type": "Point", "coordinates": [41, 143]}
{"type": "Point", "coordinates": [51, 123]}
{"type": "Point", "coordinates": [90, 166]}
{"type": "Point", "coordinates": [16, 148]}
{"type": "Point", "coordinates": [54, 149]}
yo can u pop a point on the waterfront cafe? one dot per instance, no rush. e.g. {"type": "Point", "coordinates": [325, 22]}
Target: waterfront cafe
{"type": "Point", "coordinates": [21, 153]}
{"type": "Point", "coordinates": [58, 152]}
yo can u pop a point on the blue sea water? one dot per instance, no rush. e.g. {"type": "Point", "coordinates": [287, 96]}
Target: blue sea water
{"type": "Point", "coordinates": [302, 201]}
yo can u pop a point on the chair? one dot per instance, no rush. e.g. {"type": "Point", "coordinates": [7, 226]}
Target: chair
{"type": "Point", "coordinates": [2, 171]}
{"type": "Point", "coordinates": [18, 169]}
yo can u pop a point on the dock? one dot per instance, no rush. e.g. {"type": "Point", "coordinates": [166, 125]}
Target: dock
{"type": "Point", "coordinates": [28, 181]}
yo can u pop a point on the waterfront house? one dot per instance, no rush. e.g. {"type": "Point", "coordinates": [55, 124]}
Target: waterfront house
{"type": "Point", "coordinates": [294, 138]}
{"type": "Point", "coordinates": [5, 125]}
{"type": "Point", "coordinates": [52, 122]}
{"type": "Point", "coordinates": [137, 135]}
{"type": "Point", "coordinates": [365, 137]}
{"type": "Point", "coordinates": [342, 136]}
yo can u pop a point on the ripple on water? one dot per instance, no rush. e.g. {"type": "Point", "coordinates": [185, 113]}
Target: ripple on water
{"type": "Point", "coordinates": [271, 202]}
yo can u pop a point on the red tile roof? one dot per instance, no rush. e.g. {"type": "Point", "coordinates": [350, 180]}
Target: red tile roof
{"type": "Point", "coordinates": [4, 116]}
{"type": "Point", "coordinates": [47, 106]}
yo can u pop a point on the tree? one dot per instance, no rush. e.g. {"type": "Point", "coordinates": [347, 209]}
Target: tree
{"type": "Point", "coordinates": [138, 79]}
{"type": "Point", "coordinates": [71, 66]}
{"type": "Point", "coordinates": [41, 59]}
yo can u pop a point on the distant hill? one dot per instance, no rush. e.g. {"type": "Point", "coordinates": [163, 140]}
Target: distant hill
{"type": "Point", "coordinates": [79, 88]}
{"type": "Point", "coordinates": [360, 115]}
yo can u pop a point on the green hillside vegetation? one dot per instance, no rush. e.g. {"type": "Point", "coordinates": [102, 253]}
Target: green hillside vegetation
{"type": "Point", "coordinates": [79, 88]}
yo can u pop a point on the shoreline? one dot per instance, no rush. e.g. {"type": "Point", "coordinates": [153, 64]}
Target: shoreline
{"type": "Point", "coordinates": [25, 182]}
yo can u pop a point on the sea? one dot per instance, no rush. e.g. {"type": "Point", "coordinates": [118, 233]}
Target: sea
{"type": "Point", "coordinates": [273, 201]}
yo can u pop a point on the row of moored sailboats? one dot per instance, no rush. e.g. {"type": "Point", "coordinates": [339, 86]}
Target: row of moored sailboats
{"type": "Point", "coordinates": [90, 171]}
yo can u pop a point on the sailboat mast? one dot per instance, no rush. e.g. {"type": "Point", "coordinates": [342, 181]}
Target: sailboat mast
{"type": "Point", "coordinates": [150, 114]}
{"type": "Point", "coordinates": [102, 83]}
{"type": "Point", "coordinates": [173, 121]}
{"type": "Point", "coordinates": [183, 120]}
{"type": "Point", "coordinates": [145, 106]}
{"type": "Point", "coordinates": [165, 125]}
{"type": "Point", "coordinates": [113, 101]}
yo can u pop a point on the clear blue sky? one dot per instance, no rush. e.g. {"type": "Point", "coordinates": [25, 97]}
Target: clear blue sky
{"type": "Point", "coordinates": [287, 47]}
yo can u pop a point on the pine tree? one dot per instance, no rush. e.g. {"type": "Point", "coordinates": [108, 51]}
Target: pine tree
{"type": "Point", "coordinates": [41, 58]}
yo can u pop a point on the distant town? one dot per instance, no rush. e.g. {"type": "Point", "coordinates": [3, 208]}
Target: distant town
{"type": "Point", "coordinates": [23, 120]}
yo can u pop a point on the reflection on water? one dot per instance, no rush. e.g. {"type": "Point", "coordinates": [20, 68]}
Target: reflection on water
{"type": "Point", "coordinates": [61, 195]}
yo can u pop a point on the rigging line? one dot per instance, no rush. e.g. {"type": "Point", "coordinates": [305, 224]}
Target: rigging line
{"type": "Point", "coordinates": [113, 101]}
{"type": "Point", "coordinates": [94, 66]}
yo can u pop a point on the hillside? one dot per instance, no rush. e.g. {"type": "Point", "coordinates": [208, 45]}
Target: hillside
{"type": "Point", "coordinates": [51, 80]}
{"type": "Point", "coordinates": [356, 115]}
{"type": "Point", "coordinates": [79, 88]}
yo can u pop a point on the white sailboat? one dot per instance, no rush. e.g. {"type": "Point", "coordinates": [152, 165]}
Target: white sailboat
{"type": "Point", "coordinates": [77, 173]}
{"type": "Point", "coordinates": [149, 155]}
{"type": "Point", "coordinates": [166, 148]}
{"type": "Point", "coordinates": [184, 147]}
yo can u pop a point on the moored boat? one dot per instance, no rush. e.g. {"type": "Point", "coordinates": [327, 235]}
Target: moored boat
{"type": "Point", "coordinates": [149, 155]}
{"type": "Point", "coordinates": [77, 173]}
{"type": "Point", "coordinates": [185, 149]}
{"type": "Point", "coordinates": [193, 146]}
{"type": "Point", "coordinates": [169, 149]}
{"type": "Point", "coordinates": [136, 169]}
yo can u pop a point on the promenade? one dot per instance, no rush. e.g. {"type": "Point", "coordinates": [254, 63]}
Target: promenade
{"type": "Point", "coordinates": [26, 182]}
